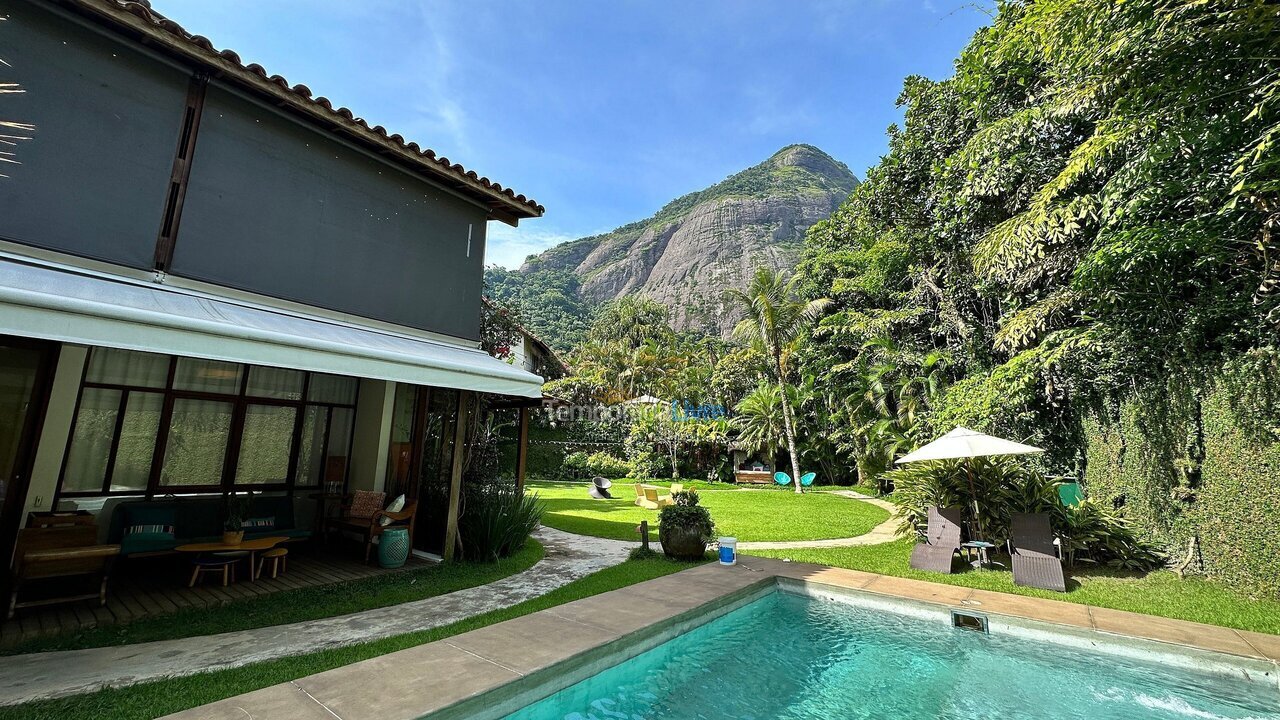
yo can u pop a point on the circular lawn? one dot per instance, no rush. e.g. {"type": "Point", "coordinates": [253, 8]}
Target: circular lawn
{"type": "Point", "coordinates": [751, 515]}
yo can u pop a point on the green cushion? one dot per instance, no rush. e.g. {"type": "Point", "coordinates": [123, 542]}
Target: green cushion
{"type": "Point", "coordinates": [278, 532]}
{"type": "Point", "coordinates": [147, 542]}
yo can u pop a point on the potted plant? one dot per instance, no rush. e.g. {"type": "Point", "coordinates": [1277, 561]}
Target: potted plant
{"type": "Point", "coordinates": [233, 525]}
{"type": "Point", "coordinates": [685, 528]}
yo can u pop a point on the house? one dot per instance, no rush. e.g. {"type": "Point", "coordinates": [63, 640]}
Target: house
{"type": "Point", "coordinates": [213, 281]}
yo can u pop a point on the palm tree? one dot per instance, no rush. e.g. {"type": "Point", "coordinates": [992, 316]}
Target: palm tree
{"type": "Point", "coordinates": [759, 420]}
{"type": "Point", "coordinates": [776, 321]}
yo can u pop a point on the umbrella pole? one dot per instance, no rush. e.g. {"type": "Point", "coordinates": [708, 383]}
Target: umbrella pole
{"type": "Point", "coordinates": [968, 471]}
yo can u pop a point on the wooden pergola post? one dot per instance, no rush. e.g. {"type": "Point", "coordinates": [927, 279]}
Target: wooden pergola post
{"type": "Point", "coordinates": [522, 449]}
{"type": "Point", "coordinates": [455, 476]}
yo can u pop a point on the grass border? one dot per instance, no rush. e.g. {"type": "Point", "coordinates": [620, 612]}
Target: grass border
{"type": "Point", "coordinates": [162, 697]}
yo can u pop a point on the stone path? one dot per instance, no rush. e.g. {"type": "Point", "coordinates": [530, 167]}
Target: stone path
{"type": "Point", "coordinates": [37, 676]}
{"type": "Point", "coordinates": [886, 531]}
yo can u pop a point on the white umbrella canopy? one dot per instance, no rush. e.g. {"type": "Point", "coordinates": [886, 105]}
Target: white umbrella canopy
{"type": "Point", "coordinates": [965, 443]}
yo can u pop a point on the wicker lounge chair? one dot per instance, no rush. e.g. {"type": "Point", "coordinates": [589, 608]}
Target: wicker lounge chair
{"type": "Point", "coordinates": [782, 478]}
{"type": "Point", "coordinates": [941, 542]}
{"type": "Point", "coordinates": [1035, 557]}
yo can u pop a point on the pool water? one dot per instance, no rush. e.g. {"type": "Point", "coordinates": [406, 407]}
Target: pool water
{"type": "Point", "coordinates": [788, 656]}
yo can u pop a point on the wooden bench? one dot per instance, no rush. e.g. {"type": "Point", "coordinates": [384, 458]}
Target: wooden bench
{"type": "Point", "coordinates": [45, 553]}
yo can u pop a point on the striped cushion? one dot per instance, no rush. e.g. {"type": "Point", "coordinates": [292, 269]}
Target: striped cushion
{"type": "Point", "coordinates": [150, 529]}
{"type": "Point", "coordinates": [260, 523]}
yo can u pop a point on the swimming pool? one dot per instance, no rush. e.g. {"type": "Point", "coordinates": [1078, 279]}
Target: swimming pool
{"type": "Point", "coordinates": [792, 656]}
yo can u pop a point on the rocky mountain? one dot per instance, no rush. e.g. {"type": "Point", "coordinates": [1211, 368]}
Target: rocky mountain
{"type": "Point", "coordinates": [688, 253]}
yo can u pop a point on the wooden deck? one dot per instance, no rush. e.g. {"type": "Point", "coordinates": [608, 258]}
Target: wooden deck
{"type": "Point", "coordinates": [154, 586]}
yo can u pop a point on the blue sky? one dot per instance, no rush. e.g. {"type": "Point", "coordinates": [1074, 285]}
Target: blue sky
{"type": "Point", "coordinates": [602, 111]}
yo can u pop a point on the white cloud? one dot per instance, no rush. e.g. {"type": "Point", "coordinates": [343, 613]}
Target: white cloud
{"type": "Point", "coordinates": [509, 246]}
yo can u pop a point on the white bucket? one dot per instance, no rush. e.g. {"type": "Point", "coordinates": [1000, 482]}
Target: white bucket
{"type": "Point", "coordinates": [728, 551]}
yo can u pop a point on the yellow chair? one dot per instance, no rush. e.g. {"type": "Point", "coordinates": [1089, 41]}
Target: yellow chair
{"type": "Point", "coordinates": [647, 497]}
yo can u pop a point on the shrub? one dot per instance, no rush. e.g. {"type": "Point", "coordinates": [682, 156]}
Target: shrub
{"type": "Point", "coordinates": [1004, 486]}
{"type": "Point", "coordinates": [685, 528]}
{"type": "Point", "coordinates": [495, 520]}
{"type": "Point", "coordinates": [605, 465]}
{"type": "Point", "coordinates": [575, 465]}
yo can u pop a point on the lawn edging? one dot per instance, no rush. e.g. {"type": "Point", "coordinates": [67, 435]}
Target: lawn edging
{"type": "Point", "coordinates": [162, 697]}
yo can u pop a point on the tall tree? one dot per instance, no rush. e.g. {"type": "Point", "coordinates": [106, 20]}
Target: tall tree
{"type": "Point", "coordinates": [776, 321]}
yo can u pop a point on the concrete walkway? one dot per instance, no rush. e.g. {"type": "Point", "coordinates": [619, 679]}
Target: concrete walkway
{"type": "Point", "coordinates": [886, 531]}
{"type": "Point", "coordinates": [37, 676]}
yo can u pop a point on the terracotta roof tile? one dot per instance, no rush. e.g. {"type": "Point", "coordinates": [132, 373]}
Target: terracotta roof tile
{"type": "Point", "coordinates": [200, 49]}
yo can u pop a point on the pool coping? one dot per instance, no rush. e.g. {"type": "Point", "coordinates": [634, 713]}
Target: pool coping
{"type": "Point", "coordinates": [492, 671]}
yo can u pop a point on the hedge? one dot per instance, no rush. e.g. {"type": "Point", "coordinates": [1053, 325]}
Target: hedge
{"type": "Point", "coordinates": [1199, 460]}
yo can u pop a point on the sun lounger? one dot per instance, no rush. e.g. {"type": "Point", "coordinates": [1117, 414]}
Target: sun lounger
{"type": "Point", "coordinates": [941, 542]}
{"type": "Point", "coordinates": [1035, 557]}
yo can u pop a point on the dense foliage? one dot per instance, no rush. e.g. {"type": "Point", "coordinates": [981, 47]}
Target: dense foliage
{"type": "Point", "coordinates": [1090, 531]}
{"type": "Point", "coordinates": [1082, 218]}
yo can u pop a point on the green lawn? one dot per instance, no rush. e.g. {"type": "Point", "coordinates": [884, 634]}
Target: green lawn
{"type": "Point", "coordinates": [290, 606]}
{"type": "Point", "coordinates": [755, 514]}
{"type": "Point", "coordinates": [162, 697]}
{"type": "Point", "coordinates": [1158, 593]}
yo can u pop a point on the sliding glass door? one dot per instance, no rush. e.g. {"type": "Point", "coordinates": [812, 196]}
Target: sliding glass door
{"type": "Point", "coordinates": [420, 462]}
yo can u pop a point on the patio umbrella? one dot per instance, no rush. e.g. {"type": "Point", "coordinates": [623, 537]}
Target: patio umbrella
{"type": "Point", "coordinates": [963, 443]}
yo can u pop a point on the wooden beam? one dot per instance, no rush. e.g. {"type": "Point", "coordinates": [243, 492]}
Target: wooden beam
{"type": "Point", "coordinates": [522, 449]}
{"type": "Point", "coordinates": [455, 476]}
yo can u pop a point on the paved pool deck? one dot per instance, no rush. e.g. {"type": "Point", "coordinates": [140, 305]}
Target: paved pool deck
{"type": "Point", "coordinates": [494, 670]}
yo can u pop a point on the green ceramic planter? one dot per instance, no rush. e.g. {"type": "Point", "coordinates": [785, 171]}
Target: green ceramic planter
{"type": "Point", "coordinates": [393, 547]}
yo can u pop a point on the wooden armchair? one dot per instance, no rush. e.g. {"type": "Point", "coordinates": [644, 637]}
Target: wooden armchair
{"type": "Point", "coordinates": [56, 552]}
{"type": "Point", "coordinates": [355, 517]}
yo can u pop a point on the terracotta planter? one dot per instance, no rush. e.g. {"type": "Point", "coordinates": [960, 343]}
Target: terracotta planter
{"type": "Point", "coordinates": [232, 538]}
{"type": "Point", "coordinates": [682, 543]}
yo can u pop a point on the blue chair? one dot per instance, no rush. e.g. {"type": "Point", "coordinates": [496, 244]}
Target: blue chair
{"type": "Point", "coordinates": [807, 479]}
{"type": "Point", "coordinates": [782, 478]}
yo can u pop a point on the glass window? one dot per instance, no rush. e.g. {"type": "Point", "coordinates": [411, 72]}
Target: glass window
{"type": "Point", "coordinates": [332, 389]}
{"type": "Point", "coordinates": [315, 421]}
{"type": "Point", "coordinates": [128, 367]}
{"type": "Point", "coordinates": [266, 445]}
{"type": "Point", "coordinates": [275, 383]}
{"type": "Point", "coordinates": [137, 443]}
{"type": "Point", "coordinates": [91, 440]}
{"type": "Point", "coordinates": [197, 447]}
{"type": "Point", "coordinates": [400, 449]}
{"type": "Point", "coordinates": [211, 376]}
{"type": "Point", "coordinates": [340, 425]}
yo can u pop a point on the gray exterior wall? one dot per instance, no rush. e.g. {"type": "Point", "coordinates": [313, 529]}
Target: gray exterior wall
{"type": "Point", "coordinates": [277, 208]}
{"type": "Point", "coordinates": [94, 178]}
{"type": "Point", "coordinates": [273, 206]}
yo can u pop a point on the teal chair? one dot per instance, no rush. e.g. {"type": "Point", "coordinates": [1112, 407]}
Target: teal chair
{"type": "Point", "coordinates": [807, 479]}
{"type": "Point", "coordinates": [782, 478]}
{"type": "Point", "coordinates": [1071, 494]}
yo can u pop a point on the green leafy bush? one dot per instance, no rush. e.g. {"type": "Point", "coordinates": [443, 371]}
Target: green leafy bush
{"type": "Point", "coordinates": [495, 520]}
{"type": "Point", "coordinates": [605, 465]}
{"type": "Point", "coordinates": [1004, 486]}
{"type": "Point", "coordinates": [685, 528]}
{"type": "Point", "coordinates": [575, 465]}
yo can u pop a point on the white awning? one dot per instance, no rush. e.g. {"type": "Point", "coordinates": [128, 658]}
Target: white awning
{"type": "Point", "coordinates": [79, 307]}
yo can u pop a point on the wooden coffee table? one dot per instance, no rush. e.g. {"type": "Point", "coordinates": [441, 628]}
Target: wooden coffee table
{"type": "Point", "coordinates": [253, 546]}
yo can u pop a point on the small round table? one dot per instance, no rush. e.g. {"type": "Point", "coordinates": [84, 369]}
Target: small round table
{"type": "Point", "coordinates": [980, 547]}
{"type": "Point", "coordinates": [251, 546]}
